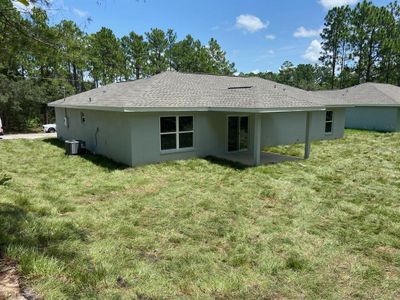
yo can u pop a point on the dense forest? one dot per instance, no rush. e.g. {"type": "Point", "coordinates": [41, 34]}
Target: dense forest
{"type": "Point", "coordinates": [359, 44]}
{"type": "Point", "coordinates": [40, 62]}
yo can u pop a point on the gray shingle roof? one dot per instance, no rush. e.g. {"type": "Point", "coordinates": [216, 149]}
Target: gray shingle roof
{"type": "Point", "coordinates": [366, 94]}
{"type": "Point", "coordinates": [171, 90]}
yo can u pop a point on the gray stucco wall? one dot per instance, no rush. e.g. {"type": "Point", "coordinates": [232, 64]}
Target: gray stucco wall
{"type": "Point", "coordinates": [105, 133]}
{"type": "Point", "coordinates": [134, 138]}
{"type": "Point", "coordinates": [373, 118]}
{"type": "Point", "coordinates": [289, 128]}
{"type": "Point", "coordinates": [209, 136]}
{"type": "Point", "coordinates": [398, 119]}
{"type": "Point", "coordinates": [210, 132]}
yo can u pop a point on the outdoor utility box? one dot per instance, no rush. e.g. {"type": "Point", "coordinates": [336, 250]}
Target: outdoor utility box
{"type": "Point", "coordinates": [71, 147]}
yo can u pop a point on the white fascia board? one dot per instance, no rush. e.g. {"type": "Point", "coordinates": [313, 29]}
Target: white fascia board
{"type": "Point", "coordinates": [163, 109]}
{"type": "Point", "coordinates": [376, 105]}
{"type": "Point", "coordinates": [190, 109]}
{"type": "Point", "coordinates": [339, 105]}
{"type": "Point", "coordinates": [224, 109]}
{"type": "Point", "coordinates": [87, 107]}
{"type": "Point", "coordinates": [269, 110]}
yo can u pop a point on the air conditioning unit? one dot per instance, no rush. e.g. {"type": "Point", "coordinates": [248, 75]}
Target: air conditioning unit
{"type": "Point", "coordinates": [71, 147]}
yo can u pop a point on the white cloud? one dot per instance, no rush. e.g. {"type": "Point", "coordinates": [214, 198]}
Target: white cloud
{"type": "Point", "coordinates": [250, 23]}
{"type": "Point", "coordinates": [52, 7]}
{"type": "Point", "coordinates": [313, 52]}
{"type": "Point", "coordinates": [270, 37]}
{"type": "Point", "coordinates": [302, 32]}
{"type": "Point", "coordinates": [79, 13]}
{"type": "Point", "coordinates": [272, 52]}
{"type": "Point", "coordinates": [256, 71]}
{"type": "Point", "coordinates": [328, 4]}
{"type": "Point", "coordinates": [22, 8]}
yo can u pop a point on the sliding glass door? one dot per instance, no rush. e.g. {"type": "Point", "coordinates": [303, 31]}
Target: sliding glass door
{"type": "Point", "coordinates": [238, 133]}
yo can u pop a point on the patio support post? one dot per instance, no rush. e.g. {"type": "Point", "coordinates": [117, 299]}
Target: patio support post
{"type": "Point", "coordinates": [257, 140]}
{"type": "Point", "coordinates": [307, 147]}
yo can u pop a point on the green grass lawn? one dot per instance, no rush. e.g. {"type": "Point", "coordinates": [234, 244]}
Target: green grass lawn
{"type": "Point", "coordinates": [84, 227]}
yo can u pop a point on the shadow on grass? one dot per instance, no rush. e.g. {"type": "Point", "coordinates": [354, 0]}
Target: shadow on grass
{"type": "Point", "coordinates": [227, 163]}
{"type": "Point", "coordinates": [11, 217]}
{"type": "Point", "coordinates": [33, 241]}
{"type": "Point", "coordinates": [96, 159]}
{"type": "Point", "coordinates": [16, 223]}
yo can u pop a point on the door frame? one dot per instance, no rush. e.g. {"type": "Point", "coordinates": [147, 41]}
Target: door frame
{"type": "Point", "coordinates": [227, 133]}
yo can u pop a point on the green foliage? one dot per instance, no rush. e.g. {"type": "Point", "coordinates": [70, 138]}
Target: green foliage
{"type": "Point", "coordinates": [85, 227]}
{"type": "Point", "coordinates": [304, 76]}
{"type": "Point", "coordinates": [34, 122]}
{"type": "Point", "coordinates": [359, 44]}
{"type": "Point", "coordinates": [44, 62]}
{"type": "Point", "coordinates": [24, 2]}
{"type": "Point", "coordinates": [218, 62]}
{"type": "Point", "coordinates": [157, 47]}
{"type": "Point", "coordinates": [40, 62]}
{"type": "Point", "coordinates": [136, 55]}
{"type": "Point", "coordinates": [106, 58]}
{"type": "Point", "coordinates": [363, 40]}
{"type": "Point", "coordinates": [336, 37]}
{"type": "Point", "coordinates": [161, 51]}
{"type": "Point", "coordinates": [190, 56]}
{"type": "Point", "coordinates": [73, 42]}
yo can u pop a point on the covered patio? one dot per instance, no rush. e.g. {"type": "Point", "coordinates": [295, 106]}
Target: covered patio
{"type": "Point", "coordinates": [240, 133]}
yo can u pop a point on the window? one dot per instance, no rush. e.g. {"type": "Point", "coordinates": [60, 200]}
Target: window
{"type": "Point", "coordinates": [83, 119]}
{"type": "Point", "coordinates": [328, 121]}
{"type": "Point", "coordinates": [238, 133]}
{"type": "Point", "coordinates": [176, 132]}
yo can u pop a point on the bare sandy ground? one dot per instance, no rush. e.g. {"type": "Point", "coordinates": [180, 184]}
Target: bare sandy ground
{"type": "Point", "coordinates": [10, 286]}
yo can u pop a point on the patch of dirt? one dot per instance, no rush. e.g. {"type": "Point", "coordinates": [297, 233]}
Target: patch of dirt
{"type": "Point", "coordinates": [10, 286]}
{"type": "Point", "coordinates": [386, 250]}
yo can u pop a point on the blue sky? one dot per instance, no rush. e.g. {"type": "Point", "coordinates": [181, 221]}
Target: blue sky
{"type": "Point", "coordinates": [256, 34]}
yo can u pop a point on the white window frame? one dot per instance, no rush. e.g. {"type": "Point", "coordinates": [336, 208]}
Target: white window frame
{"type": "Point", "coordinates": [326, 122]}
{"type": "Point", "coordinates": [227, 133]}
{"type": "Point", "coordinates": [176, 132]}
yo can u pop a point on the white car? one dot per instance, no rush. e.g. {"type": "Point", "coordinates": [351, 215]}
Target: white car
{"type": "Point", "coordinates": [49, 128]}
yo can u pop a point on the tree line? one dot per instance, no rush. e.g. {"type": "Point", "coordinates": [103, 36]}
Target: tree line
{"type": "Point", "coordinates": [359, 44]}
{"type": "Point", "coordinates": [40, 63]}
{"type": "Point", "coordinates": [304, 76]}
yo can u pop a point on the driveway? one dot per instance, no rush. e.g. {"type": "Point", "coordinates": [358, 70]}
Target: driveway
{"type": "Point", "coordinates": [28, 136]}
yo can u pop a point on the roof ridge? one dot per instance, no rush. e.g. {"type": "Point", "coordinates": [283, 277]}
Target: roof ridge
{"type": "Point", "coordinates": [207, 74]}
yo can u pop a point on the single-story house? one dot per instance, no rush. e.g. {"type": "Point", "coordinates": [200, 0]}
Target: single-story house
{"type": "Point", "coordinates": [175, 115]}
{"type": "Point", "coordinates": [376, 106]}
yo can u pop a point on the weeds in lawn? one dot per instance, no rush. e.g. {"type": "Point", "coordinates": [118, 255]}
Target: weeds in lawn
{"type": "Point", "coordinates": [84, 227]}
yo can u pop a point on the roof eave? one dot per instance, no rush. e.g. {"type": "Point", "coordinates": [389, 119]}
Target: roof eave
{"type": "Point", "coordinates": [170, 109]}
{"type": "Point", "coordinates": [88, 107]}
{"type": "Point", "coordinates": [224, 109]}
{"type": "Point", "coordinates": [267, 110]}
{"type": "Point", "coordinates": [376, 105]}
{"type": "Point", "coordinates": [339, 105]}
